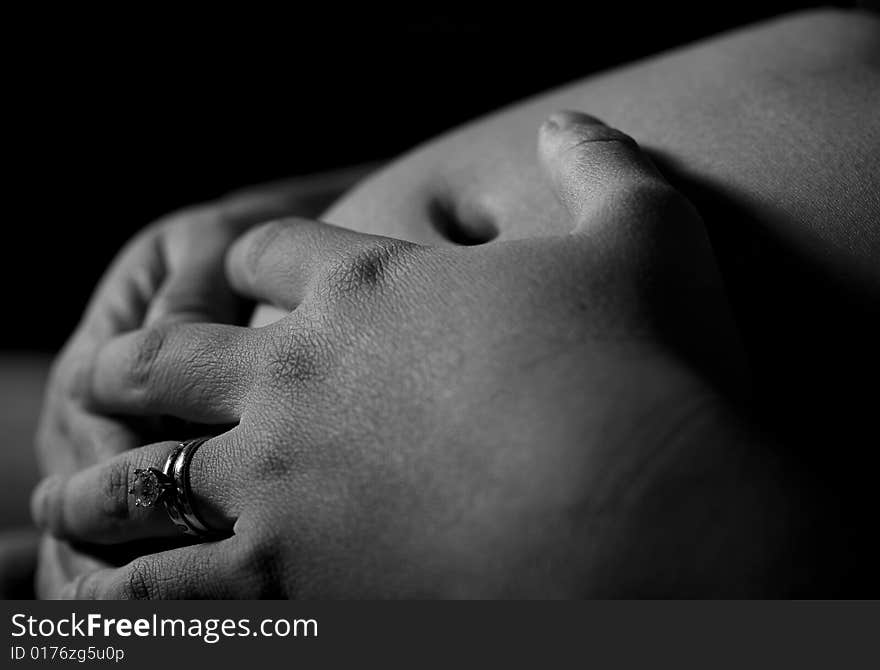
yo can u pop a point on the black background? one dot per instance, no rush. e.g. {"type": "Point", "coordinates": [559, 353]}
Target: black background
{"type": "Point", "coordinates": [115, 119]}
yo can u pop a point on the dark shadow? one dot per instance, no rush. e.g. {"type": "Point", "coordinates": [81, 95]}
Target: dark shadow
{"type": "Point", "coordinates": [476, 230]}
{"type": "Point", "coordinates": [812, 334]}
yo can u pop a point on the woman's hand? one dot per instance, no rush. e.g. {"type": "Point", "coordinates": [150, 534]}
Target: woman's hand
{"type": "Point", "coordinates": [535, 417]}
{"type": "Point", "coordinates": [171, 272]}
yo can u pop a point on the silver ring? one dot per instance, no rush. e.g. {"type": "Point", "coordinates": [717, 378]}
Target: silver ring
{"type": "Point", "coordinates": [150, 485]}
{"type": "Point", "coordinates": [181, 510]}
{"type": "Point", "coordinates": [171, 486]}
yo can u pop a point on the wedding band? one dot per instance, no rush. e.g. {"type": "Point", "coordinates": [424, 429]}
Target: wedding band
{"type": "Point", "coordinates": [181, 509]}
{"type": "Point", "coordinates": [171, 486]}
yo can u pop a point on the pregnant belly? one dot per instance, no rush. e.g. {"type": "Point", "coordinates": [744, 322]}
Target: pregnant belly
{"type": "Point", "coordinates": [773, 131]}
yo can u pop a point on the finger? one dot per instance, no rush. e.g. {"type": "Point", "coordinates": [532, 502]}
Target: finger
{"type": "Point", "coordinates": [119, 302]}
{"type": "Point", "coordinates": [222, 569]}
{"type": "Point", "coordinates": [593, 168]}
{"type": "Point", "coordinates": [195, 288]}
{"type": "Point", "coordinates": [197, 372]}
{"type": "Point", "coordinates": [58, 565]}
{"type": "Point", "coordinates": [97, 506]}
{"type": "Point", "coordinates": [278, 261]}
{"type": "Point", "coordinates": [196, 291]}
{"type": "Point", "coordinates": [162, 277]}
{"type": "Point", "coordinates": [84, 439]}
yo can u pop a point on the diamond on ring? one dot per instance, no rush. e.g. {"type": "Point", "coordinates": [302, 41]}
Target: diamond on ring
{"type": "Point", "coordinates": [147, 487]}
{"type": "Point", "coordinates": [171, 486]}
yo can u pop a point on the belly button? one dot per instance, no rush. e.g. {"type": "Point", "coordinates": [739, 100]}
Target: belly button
{"type": "Point", "coordinates": [460, 225]}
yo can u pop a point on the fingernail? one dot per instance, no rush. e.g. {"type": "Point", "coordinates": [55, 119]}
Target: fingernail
{"type": "Point", "coordinates": [567, 118]}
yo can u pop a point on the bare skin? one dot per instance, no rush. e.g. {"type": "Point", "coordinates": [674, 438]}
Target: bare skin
{"type": "Point", "coordinates": [529, 418]}
{"type": "Point", "coordinates": [773, 133]}
{"type": "Point", "coordinates": [777, 157]}
{"type": "Point", "coordinates": [171, 272]}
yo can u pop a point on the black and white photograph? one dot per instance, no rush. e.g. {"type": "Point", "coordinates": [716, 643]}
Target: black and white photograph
{"type": "Point", "coordinates": [527, 302]}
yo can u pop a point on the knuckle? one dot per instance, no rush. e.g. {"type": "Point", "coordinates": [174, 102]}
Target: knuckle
{"type": "Point", "coordinates": [275, 462]}
{"type": "Point", "coordinates": [369, 266]}
{"type": "Point", "coordinates": [139, 367]}
{"type": "Point", "coordinates": [297, 355]}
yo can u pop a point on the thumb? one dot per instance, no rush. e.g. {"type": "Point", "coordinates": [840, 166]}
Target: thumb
{"type": "Point", "coordinates": [594, 168]}
{"type": "Point", "coordinates": [659, 241]}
